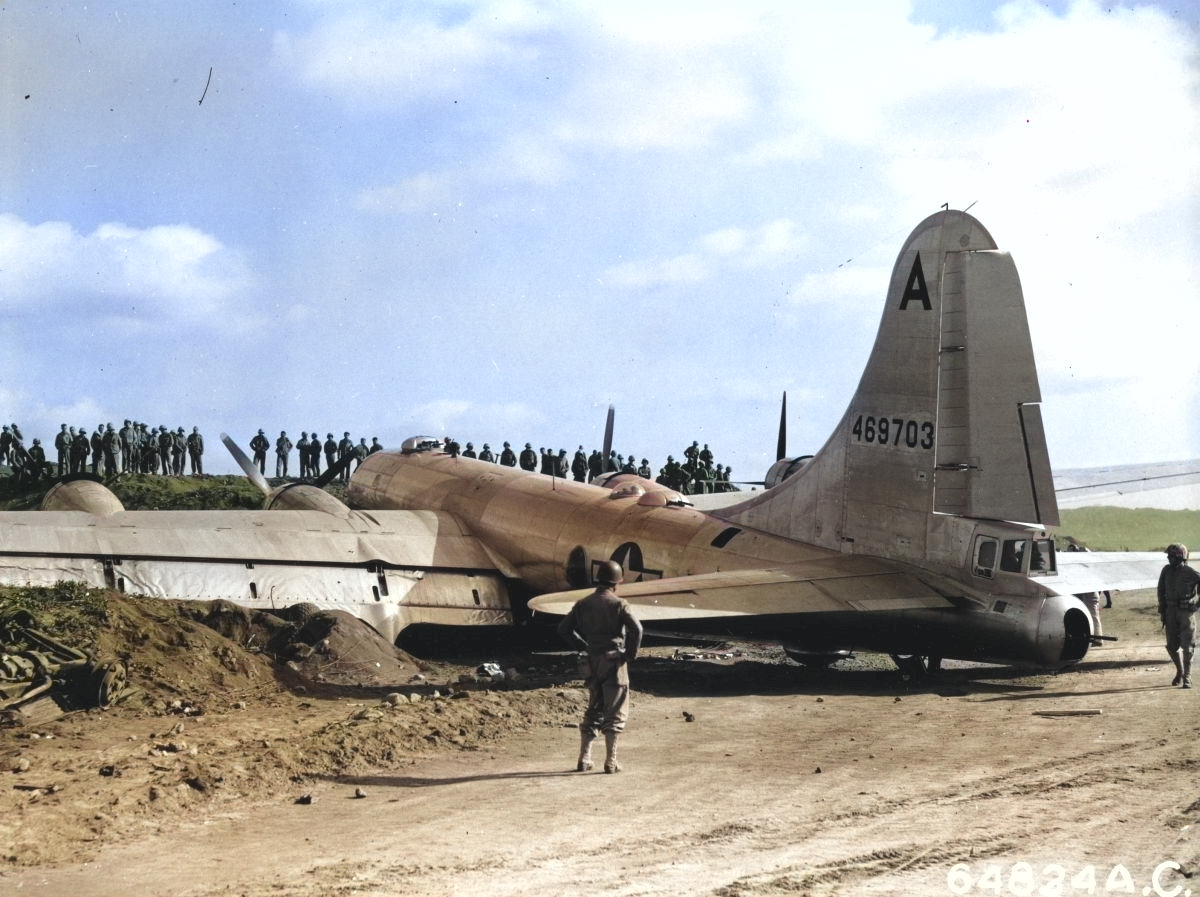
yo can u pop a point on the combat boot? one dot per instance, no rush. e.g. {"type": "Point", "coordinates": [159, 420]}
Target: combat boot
{"type": "Point", "coordinates": [610, 757]}
{"type": "Point", "coordinates": [585, 763]}
{"type": "Point", "coordinates": [1187, 669]}
{"type": "Point", "coordinates": [1178, 667]}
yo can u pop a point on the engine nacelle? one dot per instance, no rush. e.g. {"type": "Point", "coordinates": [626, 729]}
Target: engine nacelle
{"type": "Point", "coordinates": [82, 495]}
{"type": "Point", "coordinates": [304, 497]}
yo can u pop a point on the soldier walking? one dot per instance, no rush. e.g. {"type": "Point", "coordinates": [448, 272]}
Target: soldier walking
{"type": "Point", "coordinates": [604, 626]}
{"type": "Point", "coordinates": [1178, 585]}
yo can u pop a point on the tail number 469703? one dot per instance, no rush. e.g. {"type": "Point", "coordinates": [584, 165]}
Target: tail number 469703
{"type": "Point", "coordinates": [893, 431]}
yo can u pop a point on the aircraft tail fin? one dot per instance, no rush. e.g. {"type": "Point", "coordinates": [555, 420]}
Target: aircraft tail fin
{"type": "Point", "coordinates": [946, 418]}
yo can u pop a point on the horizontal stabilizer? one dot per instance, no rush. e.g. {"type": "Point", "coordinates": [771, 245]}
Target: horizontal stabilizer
{"type": "Point", "coordinates": [1080, 572]}
{"type": "Point", "coordinates": [819, 587]}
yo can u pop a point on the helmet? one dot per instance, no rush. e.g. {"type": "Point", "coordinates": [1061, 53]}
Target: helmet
{"type": "Point", "coordinates": [1177, 550]}
{"type": "Point", "coordinates": [609, 574]}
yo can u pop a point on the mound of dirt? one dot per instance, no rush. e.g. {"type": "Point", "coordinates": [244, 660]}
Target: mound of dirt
{"type": "Point", "coordinates": [226, 704]}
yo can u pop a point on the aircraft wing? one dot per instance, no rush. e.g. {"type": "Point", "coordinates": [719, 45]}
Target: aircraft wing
{"type": "Point", "coordinates": [821, 587]}
{"type": "Point", "coordinates": [390, 568]}
{"type": "Point", "coordinates": [1080, 572]}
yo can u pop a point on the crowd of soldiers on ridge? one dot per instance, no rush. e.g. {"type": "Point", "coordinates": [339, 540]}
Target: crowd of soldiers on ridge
{"type": "Point", "coordinates": [694, 476]}
{"type": "Point", "coordinates": [138, 448]}
{"type": "Point", "coordinates": [107, 451]}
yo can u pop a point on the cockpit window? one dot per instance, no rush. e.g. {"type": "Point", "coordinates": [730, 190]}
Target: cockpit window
{"type": "Point", "coordinates": [1013, 555]}
{"type": "Point", "coordinates": [1041, 561]}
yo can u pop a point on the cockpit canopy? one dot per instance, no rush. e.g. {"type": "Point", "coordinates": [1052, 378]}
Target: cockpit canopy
{"type": "Point", "coordinates": [415, 444]}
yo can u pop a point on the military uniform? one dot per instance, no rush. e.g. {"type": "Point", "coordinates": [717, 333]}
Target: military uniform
{"type": "Point", "coordinates": [303, 447]}
{"type": "Point", "coordinates": [283, 448]}
{"type": "Point", "coordinates": [195, 446]}
{"type": "Point", "coordinates": [259, 445]}
{"type": "Point", "coordinates": [330, 448]}
{"type": "Point", "coordinates": [62, 443]}
{"type": "Point", "coordinates": [1178, 588]}
{"type": "Point", "coordinates": [112, 451]}
{"type": "Point", "coordinates": [579, 466]}
{"type": "Point", "coordinates": [508, 458]}
{"type": "Point", "coordinates": [603, 625]}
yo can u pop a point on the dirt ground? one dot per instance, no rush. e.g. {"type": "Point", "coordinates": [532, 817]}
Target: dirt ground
{"type": "Point", "coordinates": [224, 774]}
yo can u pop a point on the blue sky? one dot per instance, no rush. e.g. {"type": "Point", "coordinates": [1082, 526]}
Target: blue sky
{"type": "Point", "coordinates": [495, 219]}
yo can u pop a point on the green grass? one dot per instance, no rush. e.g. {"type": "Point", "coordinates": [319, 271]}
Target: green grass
{"type": "Point", "coordinates": [1130, 529]}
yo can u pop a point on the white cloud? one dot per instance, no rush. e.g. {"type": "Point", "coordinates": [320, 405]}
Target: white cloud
{"type": "Point", "coordinates": [164, 272]}
{"type": "Point", "coordinates": [773, 243]}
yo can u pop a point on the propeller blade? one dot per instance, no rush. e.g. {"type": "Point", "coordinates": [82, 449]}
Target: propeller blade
{"type": "Point", "coordinates": [334, 472]}
{"type": "Point", "coordinates": [781, 445]}
{"type": "Point", "coordinates": [608, 433]}
{"type": "Point", "coordinates": [253, 473]}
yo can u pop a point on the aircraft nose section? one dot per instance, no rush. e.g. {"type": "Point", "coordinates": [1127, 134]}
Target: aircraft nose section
{"type": "Point", "coordinates": [1064, 630]}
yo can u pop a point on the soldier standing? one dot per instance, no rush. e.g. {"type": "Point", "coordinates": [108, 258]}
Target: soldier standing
{"type": "Point", "coordinates": [360, 452]}
{"type": "Point", "coordinates": [595, 464]}
{"type": "Point", "coordinates": [508, 458]}
{"type": "Point", "coordinates": [314, 455]}
{"type": "Point", "coordinates": [330, 451]}
{"type": "Point", "coordinates": [126, 436]}
{"type": "Point", "coordinates": [165, 442]}
{"type": "Point", "coordinates": [6, 440]}
{"type": "Point", "coordinates": [79, 450]}
{"type": "Point", "coordinates": [195, 447]}
{"type": "Point", "coordinates": [345, 447]}
{"type": "Point", "coordinates": [283, 448]}
{"type": "Point", "coordinates": [112, 451]}
{"type": "Point", "coordinates": [1178, 585]}
{"type": "Point", "coordinates": [469, 451]}
{"type": "Point", "coordinates": [375, 445]}
{"type": "Point", "coordinates": [259, 445]}
{"type": "Point", "coordinates": [604, 626]}
{"type": "Point", "coordinates": [528, 458]}
{"type": "Point", "coordinates": [178, 450]}
{"type": "Point", "coordinates": [579, 466]}
{"type": "Point", "coordinates": [644, 471]}
{"type": "Point", "coordinates": [97, 443]}
{"type": "Point", "coordinates": [303, 447]}
{"type": "Point", "coordinates": [486, 454]}
{"type": "Point", "coordinates": [62, 443]}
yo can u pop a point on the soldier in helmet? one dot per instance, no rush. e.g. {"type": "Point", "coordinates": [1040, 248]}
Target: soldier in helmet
{"type": "Point", "coordinates": [303, 447]}
{"type": "Point", "coordinates": [579, 467]}
{"type": "Point", "coordinates": [605, 627]}
{"type": "Point", "coordinates": [330, 449]}
{"type": "Point", "coordinates": [469, 451]}
{"type": "Point", "coordinates": [485, 454]}
{"type": "Point", "coordinates": [529, 458]}
{"type": "Point", "coordinates": [508, 458]}
{"type": "Point", "coordinates": [1178, 585]}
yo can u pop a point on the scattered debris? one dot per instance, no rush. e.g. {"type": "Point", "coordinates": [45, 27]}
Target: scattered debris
{"type": "Point", "coordinates": [1067, 712]}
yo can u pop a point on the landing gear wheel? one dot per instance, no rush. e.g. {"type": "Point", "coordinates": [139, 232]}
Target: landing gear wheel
{"type": "Point", "coordinates": [912, 666]}
{"type": "Point", "coordinates": [110, 681]}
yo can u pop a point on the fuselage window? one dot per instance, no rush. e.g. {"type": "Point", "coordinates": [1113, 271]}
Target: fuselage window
{"type": "Point", "coordinates": [985, 557]}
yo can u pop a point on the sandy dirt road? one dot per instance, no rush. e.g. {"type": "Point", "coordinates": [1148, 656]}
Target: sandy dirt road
{"type": "Point", "coordinates": [844, 782]}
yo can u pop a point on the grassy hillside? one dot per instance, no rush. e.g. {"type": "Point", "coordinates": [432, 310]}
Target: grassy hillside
{"type": "Point", "coordinates": [146, 492]}
{"type": "Point", "coordinates": [1131, 529]}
